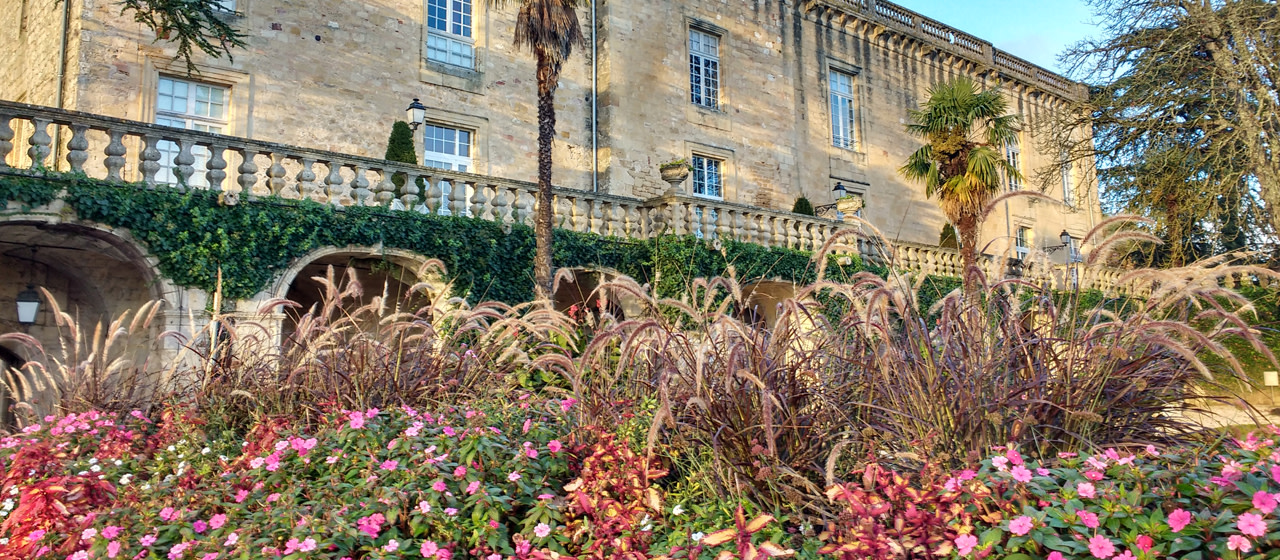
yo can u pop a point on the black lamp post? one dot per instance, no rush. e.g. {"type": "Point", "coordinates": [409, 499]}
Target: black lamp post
{"type": "Point", "coordinates": [839, 192]}
{"type": "Point", "coordinates": [1064, 237]}
{"type": "Point", "coordinates": [416, 113]}
{"type": "Point", "coordinates": [28, 306]}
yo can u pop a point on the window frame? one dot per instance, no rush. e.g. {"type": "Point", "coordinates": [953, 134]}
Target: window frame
{"type": "Point", "coordinates": [460, 33]}
{"type": "Point", "coordinates": [446, 187]}
{"type": "Point", "coordinates": [698, 66]}
{"type": "Point", "coordinates": [720, 165]}
{"type": "Point", "coordinates": [850, 116]}
{"type": "Point", "coordinates": [1068, 182]}
{"type": "Point", "coordinates": [190, 119]}
{"type": "Point", "coordinates": [1022, 239]}
{"type": "Point", "coordinates": [1013, 156]}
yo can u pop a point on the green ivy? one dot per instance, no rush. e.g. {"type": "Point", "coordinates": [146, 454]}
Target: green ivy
{"type": "Point", "coordinates": [193, 235]}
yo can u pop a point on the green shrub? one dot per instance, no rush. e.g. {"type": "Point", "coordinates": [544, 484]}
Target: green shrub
{"type": "Point", "coordinates": [802, 206]}
{"type": "Point", "coordinates": [400, 148]}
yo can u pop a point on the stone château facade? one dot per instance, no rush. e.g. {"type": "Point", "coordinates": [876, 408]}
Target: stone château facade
{"type": "Point", "coordinates": [771, 99]}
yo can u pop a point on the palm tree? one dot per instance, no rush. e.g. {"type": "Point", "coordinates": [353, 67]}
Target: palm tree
{"type": "Point", "coordinates": [961, 163]}
{"type": "Point", "coordinates": [550, 30]}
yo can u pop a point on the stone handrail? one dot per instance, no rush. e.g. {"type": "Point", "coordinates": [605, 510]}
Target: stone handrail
{"type": "Point", "coordinates": [130, 152]}
{"type": "Point", "coordinates": [964, 45]}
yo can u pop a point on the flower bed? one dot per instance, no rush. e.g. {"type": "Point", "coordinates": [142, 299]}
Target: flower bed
{"type": "Point", "coordinates": [513, 481]}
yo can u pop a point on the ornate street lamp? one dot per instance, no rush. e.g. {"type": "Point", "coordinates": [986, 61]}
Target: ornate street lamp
{"type": "Point", "coordinates": [28, 306]}
{"type": "Point", "coordinates": [417, 114]}
{"type": "Point", "coordinates": [1066, 242]}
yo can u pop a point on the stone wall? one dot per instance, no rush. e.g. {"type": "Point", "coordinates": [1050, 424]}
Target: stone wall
{"type": "Point", "coordinates": [334, 75]}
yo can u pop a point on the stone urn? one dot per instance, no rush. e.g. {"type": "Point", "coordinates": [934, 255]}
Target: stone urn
{"type": "Point", "coordinates": [674, 173]}
{"type": "Point", "coordinates": [849, 206]}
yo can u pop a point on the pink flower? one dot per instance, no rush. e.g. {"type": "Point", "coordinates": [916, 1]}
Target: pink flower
{"type": "Point", "coordinates": [494, 556]}
{"type": "Point", "coordinates": [110, 532]}
{"type": "Point", "coordinates": [1126, 555]}
{"type": "Point", "coordinates": [1151, 450]}
{"type": "Point", "coordinates": [513, 476]}
{"type": "Point", "coordinates": [1020, 526]}
{"type": "Point", "coordinates": [424, 507]}
{"type": "Point", "coordinates": [178, 550]}
{"type": "Point", "coordinates": [210, 556]}
{"type": "Point", "coordinates": [78, 555]}
{"type": "Point", "coordinates": [965, 544]}
{"type": "Point", "coordinates": [1086, 490]}
{"type": "Point", "coordinates": [389, 465]}
{"type": "Point", "coordinates": [439, 486]}
{"type": "Point", "coordinates": [218, 521]}
{"type": "Point", "coordinates": [1013, 456]}
{"type": "Point", "coordinates": [1089, 519]}
{"type": "Point", "coordinates": [168, 514]}
{"type": "Point", "coordinates": [473, 487]}
{"type": "Point", "coordinates": [88, 534]}
{"type": "Point", "coordinates": [1275, 473]}
{"type": "Point", "coordinates": [1094, 475]}
{"type": "Point", "coordinates": [391, 546]}
{"type": "Point", "coordinates": [1000, 463]}
{"type": "Point", "coordinates": [555, 446]}
{"type": "Point", "coordinates": [1145, 543]}
{"type": "Point", "coordinates": [273, 497]}
{"type": "Point", "coordinates": [1101, 547]}
{"type": "Point", "coordinates": [371, 525]}
{"type": "Point", "coordinates": [307, 545]}
{"type": "Point", "coordinates": [448, 431]}
{"type": "Point", "coordinates": [1264, 502]}
{"type": "Point", "coordinates": [146, 540]}
{"type": "Point", "coordinates": [1021, 474]}
{"type": "Point", "coordinates": [1055, 555]}
{"type": "Point", "coordinates": [546, 496]}
{"type": "Point", "coordinates": [429, 549]}
{"type": "Point", "coordinates": [1042, 471]}
{"type": "Point", "coordinates": [451, 511]}
{"type": "Point", "coordinates": [199, 526]}
{"type": "Point", "coordinates": [542, 530]}
{"type": "Point", "coordinates": [1251, 524]}
{"type": "Point", "coordinates": [241, 495]}
{"type": "Point", "coordinates": [357, 420]}
{"type": "Point", "coordinates": [460, 472]}
{"type": "Point", "coordinates": [232, 539]}
{"type": "Point", "coordinates": [528, 423]}
{"type": "Point", "coordinates": [113, 549]}
{"type": "Point", "coordinates": [1237, 542]}
{"type": "Point", "coordinates": [1179, 519]}
{"type": "Point", "coordinates": [566, 404]}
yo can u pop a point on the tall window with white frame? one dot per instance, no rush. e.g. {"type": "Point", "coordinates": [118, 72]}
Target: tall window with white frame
{"type": "Point", "coordinates": [1022, 243]}
{"type": "Point", "coordinates": [704, 69]}
{"type": "Point", "coordinates": [193, 106]}
{"type": "Point", "coordinates": [708, 179]}
{"type": "Point", "coordinates": [1013, 155]}
{"type": "Point", "coordinates": [449, 30]}
{"type": "Point", "coordinates": [447, 148]}
{"type": "Point", "coordinates": [844, 114]}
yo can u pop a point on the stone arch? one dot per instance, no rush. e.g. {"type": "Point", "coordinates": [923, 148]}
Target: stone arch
{"type": "Point", "coordinates": [582, 292]}
{"type": "Point", "coordinates": [762, 299]}
{"type": "Point", "coordinates": [379, 270]}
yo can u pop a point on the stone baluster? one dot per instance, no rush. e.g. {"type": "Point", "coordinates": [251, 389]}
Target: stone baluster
{"type": "Point", "coordinates": [479, 208]}
{"type": "Point", "coordinates": [115, 152]}
{"type": "Point", "coordinates": [777, 233]}
{"type": "Point", "coordinates": [386, 188]}
{"type": "Point", "coordinates": [149, 159]}
{"type": "Point", "coordinates": [275, 176]}
{"type": "Point", "coordinates": [248, 170]}
{"type": "Point", "coordinates": [709, 218]}
{"type": "Point", "coordinates": [789, 228]}
{"type": "Point", "coordinates": [6, 140]}
{"type": "Point", "coordinates": [521, 214]}
{"type": "Point", "coordinates": [333, 190]}
{"type": "Point", "coordinates": [435, 194]}
{"type": "Point", "coordinates": [573, 211]}
{"type": "Point", "coordinates": [659, 223]}
{"type": "Point", "coordinates": [40, 143]}
{"type": "Point", "coordinates": [458, 198]}
{"type": "Point", "coordinates": [750, 229]}
{"type": "Point", "coordinates": [216, 167]}
{"type": "Point", "coordinates": [500, 203]}
{"type": "Point", "coordinates": [597, 217]}
{"type": "Point", "coordinates": [805, 235]}
{"type": "Point", "coordinates": [739, 225]}
{"type": "Point", "coordinates": [306, 179]}
{"type": "Point", "coordinates": [723, 223]}
{"type": "Point", "coordinates": [410, 193]}
{"type": "Point", "coordinates": [623, 216]}
{"type": "Point", "coordinates": [359, 187]}
{"type": "Point", "coordinates": [183, 164]}
{"type": "Point", "coordinates": [77, 148]}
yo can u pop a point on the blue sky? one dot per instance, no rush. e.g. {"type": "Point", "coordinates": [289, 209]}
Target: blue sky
{"type": "Point", "coordinates": [1037, 30]}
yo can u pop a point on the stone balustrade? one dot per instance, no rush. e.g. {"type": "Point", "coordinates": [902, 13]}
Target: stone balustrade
{"type": "Point", "coordinates": [893, 16]}
{"type": "Point", "coordinates": [244, 170]}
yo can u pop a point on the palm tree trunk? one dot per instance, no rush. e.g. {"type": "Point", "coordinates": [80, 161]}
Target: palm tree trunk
{"type": "Point", "coordinates": [548, 75]}
{"type": "Point", "coordinates": [967, 231]}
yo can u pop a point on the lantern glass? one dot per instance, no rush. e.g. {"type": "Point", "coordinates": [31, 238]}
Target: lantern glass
{"type": "Point", "coordinates": [417, 112]}
{"type": "Point", "coordinates": [1065, 237]}
{"type": "Point", "coordinates": [28, 305]}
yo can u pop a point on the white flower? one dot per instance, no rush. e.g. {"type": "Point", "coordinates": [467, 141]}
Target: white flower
{"type": "Point", "coordinates": [7, 504]}
{"type": "Point", "coordinates": [95, 468]}
{"type": "Point", "coordinates": [82, 473]}
{"type": "Point", "coordinates": [119, 462]}
{"type": "Point", "coordinates": [93, 460]}
{"type": "Point", "coordinates": [124, 480]}
{"type": "Point", "coordinates": [4, 541]}
{"type": "Point", "coordinates": [697, 537]}
{"type": "Point", "coordinates": [679, 509]}
{"type": "Point", "coordinates": [14, 490]}
{"type": "Point", "coordinates": [171, 448]}
{"type": "Point", "coordinates": [222, 457]}
{"type": "Point", "coordinates": [205, 451]}
{"type": "Point", "coordinates": [146, 486]}
{"type": "Point", "coordinates": [646, 524]}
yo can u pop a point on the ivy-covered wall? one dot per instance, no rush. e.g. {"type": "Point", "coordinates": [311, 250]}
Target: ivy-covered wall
{"type": "Point", "coordinates": [193, 235]}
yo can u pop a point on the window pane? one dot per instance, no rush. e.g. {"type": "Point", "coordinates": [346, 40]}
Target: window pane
{"type": "Point", "coordinates": [843, 113]}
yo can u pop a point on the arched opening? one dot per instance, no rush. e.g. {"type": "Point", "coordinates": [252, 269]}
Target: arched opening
{"type": "Point", "coordinates": [762, 300]}
{"type": "Point", "coordinates": [583, 294]}
{"type": "Point", "coordinates": [386, 274]}
{"type": "Point", "coordinates": [93, 276]}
